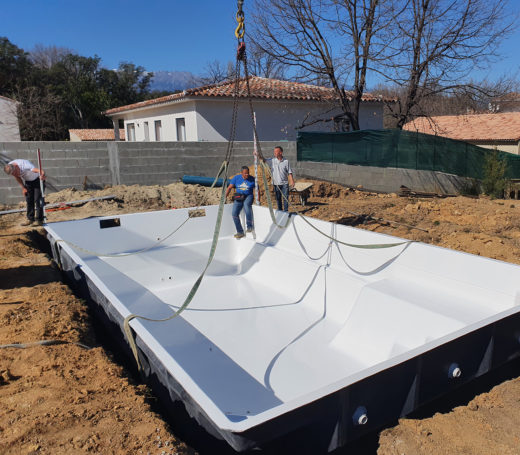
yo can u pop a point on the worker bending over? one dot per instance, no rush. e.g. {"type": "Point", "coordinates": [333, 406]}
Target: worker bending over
{"type": "Point", "coordinates": [28, 177]}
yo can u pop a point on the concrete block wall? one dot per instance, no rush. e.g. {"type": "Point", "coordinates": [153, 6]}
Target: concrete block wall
{"type": "Point", "coordinates": [97, 164]}
{"type": "Point", "coordinates": [66, 163]}
{"type": "Point", "coordinates": [169, 161]}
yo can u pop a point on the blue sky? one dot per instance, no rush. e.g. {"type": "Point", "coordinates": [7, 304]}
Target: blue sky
{"type": "Point", "coordinates": [180, 35]}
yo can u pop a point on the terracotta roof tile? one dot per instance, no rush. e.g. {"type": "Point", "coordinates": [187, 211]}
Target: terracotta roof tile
{"type": "Point", "coordinates": [260, 88]}
{"type": "Point", "coordinates": [97, 134]}
{"type": "Point", "coordinates": [478, 127]}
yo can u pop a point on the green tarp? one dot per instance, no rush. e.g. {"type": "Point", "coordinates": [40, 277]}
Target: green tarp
{"type": "Point", "coordinates": [400, 149]}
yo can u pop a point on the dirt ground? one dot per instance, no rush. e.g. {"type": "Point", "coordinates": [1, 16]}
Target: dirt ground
{"type": "Point", "coordinates": [67, 398]}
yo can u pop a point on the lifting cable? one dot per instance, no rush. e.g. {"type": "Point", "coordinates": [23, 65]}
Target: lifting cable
{"type": "Point", "coordinates": [239, 33]}
{"type": "Point", "coordinates": [120, 255]}
{"type": "Point", "coordinates": [128, 330]}
{"type": "Point", "coordinates": [42, 343]}
{"type": "Point", "coordinates": [148, 248]}
{"type": "Point", "coordinates": [352, 245]}
{"type": "Point", "coordinates": [241, 56]}
{"type": "Point", "coordinates": [267, 171]}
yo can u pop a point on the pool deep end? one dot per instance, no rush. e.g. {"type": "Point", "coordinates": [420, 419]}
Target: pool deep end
{"type": "Point", "coordinates": [292, 331]}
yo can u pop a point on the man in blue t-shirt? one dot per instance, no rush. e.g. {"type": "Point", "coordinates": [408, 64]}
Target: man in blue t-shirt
{"type": "Point", "coordinates": [244, 186]}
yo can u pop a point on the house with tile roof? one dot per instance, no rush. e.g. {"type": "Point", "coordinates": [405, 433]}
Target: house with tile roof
{"type": "Point", "coordinates": [9, 128]}
{"type": "Point", "coordinates": [94, 135]}
{"type": "Point", "coordinates": [500, 131]}
{"type": "Point", "coordinates": [505, 103]}
{"type": "Point", "coordinates": [204, 113]}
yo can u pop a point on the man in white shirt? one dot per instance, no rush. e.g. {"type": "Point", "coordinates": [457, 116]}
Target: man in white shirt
{"type": "Point", "coordinates": [282, 177]}
{"type": "Point", "coordinates": [28, 177]}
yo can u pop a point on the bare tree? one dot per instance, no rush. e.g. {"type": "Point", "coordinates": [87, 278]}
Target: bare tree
{"type": "Point", "coordinates": [457, 101]}
{"type": "Point", "coordinates": [259, 64]}
{"type": "Point", "coordinates": [216, 72]}
{"type": "Point", "coordinates": [325, 40]}
{"type": "Point", "coordinates": [435, 44]}
{"type": "Point", "coordinates": [40, 114]}
{"type": "Point", "coordinates": [508, 101]}
{"type": "Point", "coordinates": [47, 56]}
{"type": "Point", "coordinates": [262, 64]}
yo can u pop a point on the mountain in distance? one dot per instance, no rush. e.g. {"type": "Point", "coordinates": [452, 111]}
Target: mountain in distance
{"type": "Point", "coordinates": [171, 81]}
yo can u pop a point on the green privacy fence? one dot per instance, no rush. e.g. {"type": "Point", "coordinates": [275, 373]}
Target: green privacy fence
{"type": "Point", "coordinates": [400, 149]}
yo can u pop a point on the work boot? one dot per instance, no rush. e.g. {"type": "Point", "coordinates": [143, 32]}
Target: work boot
{"type": "Point", "coordinates": [239, 235]}
{"type": "Point", "coordinates": [27, 223]}
{"type": "Point", "coordinates": [38, 223]}
{"type": "Point", "coordinates": [249, 230]}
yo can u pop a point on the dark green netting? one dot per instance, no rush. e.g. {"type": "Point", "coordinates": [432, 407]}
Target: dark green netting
{"type": "Point", "coordinates": [401, 149]}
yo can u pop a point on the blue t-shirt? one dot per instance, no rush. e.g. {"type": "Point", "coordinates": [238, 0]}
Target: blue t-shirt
{"type": "Point", "coordinates": [242, 185]}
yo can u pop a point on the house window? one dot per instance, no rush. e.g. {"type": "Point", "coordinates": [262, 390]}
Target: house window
{"type": "Point", "coordinates": [130, 132]}
{"type": "Point", "coordinates": [158, 128]}
{"type": "Point", "coordinates": [146, 132]}
{"type": "Point", "coordinates": [181, 129]}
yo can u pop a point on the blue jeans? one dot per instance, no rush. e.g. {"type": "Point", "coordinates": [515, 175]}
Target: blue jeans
{"type": "Point", "coordinates": [237, 208]}
{"type": "Point", "coordinates": [280, 190]}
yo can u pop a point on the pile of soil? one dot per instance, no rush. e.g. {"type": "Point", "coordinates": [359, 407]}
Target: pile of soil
{"type": "Point", "coordinates": [76, 397]}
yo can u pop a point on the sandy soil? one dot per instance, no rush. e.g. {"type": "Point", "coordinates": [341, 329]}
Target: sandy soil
{"type": "Point", "coordinates": [65, 398]}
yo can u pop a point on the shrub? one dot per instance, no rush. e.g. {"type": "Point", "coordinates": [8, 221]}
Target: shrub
{"type": "Point", "coordinates": [471, 187]}
{"type": "Point", "coordinates": [494, 181]}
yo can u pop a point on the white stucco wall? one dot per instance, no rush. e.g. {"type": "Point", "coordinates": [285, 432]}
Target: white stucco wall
{"type": "Point", "coordinates": [276, 120]}
{"type": "Point", "coordinates": [9, 129]}
{"type": "Point", "coordinates": [509, 147]}
{"type": "Point", "coordinates": [167, 114]}
{"type": "Point", "coordinates": [210, 119]}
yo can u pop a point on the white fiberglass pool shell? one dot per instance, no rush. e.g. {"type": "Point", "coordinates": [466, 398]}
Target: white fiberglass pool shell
{"type": "Point", "coordinates": [285, 319]}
